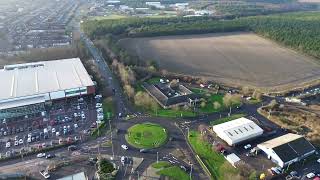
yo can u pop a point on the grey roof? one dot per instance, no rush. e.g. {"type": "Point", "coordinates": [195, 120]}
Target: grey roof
{"type": "Point", "coordinates": [30, 79]}
{"type": "Point", "coordinates": [159, 92]}
{"type": "Point", "coordinates": [293, 149]}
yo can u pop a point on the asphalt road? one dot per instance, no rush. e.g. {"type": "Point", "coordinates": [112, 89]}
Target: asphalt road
{"type": "Point", "coordinates": [123, 107]}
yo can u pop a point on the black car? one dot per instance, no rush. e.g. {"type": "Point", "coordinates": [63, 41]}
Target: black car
{"type": "Point", "coordinates": [72, 148]}
{"type": "Point", "coordinates": [49, 156]}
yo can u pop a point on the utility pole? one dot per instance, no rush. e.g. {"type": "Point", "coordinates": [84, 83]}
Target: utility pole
{"type": "Point", "coordinates": [191, 171]}
{"type": "Point", "coordinates": [112, 146]}
{"type": "Point", "coordinates": [157, 157]}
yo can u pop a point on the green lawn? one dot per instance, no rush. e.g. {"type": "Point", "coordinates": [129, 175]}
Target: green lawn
{"type": "Point", "coordinates": [108, 108]}
{"type": "Point", "coordinates": [209, 108]}
{"type": "Point", "coordinates": [254, 101]}
{"type": "Point", "coordinates": [172, 113]}
{"type": "Point", "coordinates": [215, 162]}
{"type": "Point", "coordinates": [161, 164]}
{"type": "Point", "coordinates": [113, 16]}
{"type": "Point", "coordinates": [226, 119]}
{"type": "Point", "coordinates": [173, 172]}
{"type": "Point", "coordinates": [146, 135]}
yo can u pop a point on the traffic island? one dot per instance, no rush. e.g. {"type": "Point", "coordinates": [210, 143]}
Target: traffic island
{"type": "Point", "coordinates": [146, 136]}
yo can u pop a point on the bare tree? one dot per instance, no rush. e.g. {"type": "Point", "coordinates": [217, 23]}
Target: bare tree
{"type": "Point", "coordinates": [216, 105]}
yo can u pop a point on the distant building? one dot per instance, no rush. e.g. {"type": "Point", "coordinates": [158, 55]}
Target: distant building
{"type": "Point", "coordinates": [27, 88]}
{"type": "Point", "coordinates": [237, 131]}
{"type": "Point", "coordinates": [169, 97]}
{"type": "Point", "coordinates": [155, 4]}
{"type": "Point", "coordinates": [287, 149]}
{"type": "Point", "coordinates": [78, 176]}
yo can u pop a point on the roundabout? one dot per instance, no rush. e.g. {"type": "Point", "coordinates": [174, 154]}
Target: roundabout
{"type": "Point", "coordinates": [146, 135]}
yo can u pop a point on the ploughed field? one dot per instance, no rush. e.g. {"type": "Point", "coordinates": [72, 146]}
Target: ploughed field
{"type": "Point", "coordinates": [237, 58]}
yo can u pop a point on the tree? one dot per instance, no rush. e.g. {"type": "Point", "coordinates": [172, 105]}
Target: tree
{"type": "Point", "coordinates": [203, 104]}
{"type": "Point", "coordinates": [216, 105]}
{"type": "Point", "coordinates": [129, 90]}
{"type": "Point", "coordinates": [245, 90]}
{"type": "Point", "coordinates": [229, 99]}
{"type": "Point", "coordinates": [174, 84]}
{"type": "Point", "coordinates": [257, 95]}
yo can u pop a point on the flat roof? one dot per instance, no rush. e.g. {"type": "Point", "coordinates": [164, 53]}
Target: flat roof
{"type": "Point", "coordinates": [78, 176]}
{"type": "Point", "coordinates": [28, 79]}
{"type": "Point", "coordinates": [239, 129]}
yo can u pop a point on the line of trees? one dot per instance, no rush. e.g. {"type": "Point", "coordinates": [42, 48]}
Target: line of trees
{"type": "Point", "coordinates": [299, 31]}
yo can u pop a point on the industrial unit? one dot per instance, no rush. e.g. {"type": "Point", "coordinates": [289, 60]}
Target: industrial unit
{"type": "Point", "coordinates": [287, 149]}
{"type": "Point", "coordinates": [237, 131]}
{"type": "Point", "coordinates": [27, 88]}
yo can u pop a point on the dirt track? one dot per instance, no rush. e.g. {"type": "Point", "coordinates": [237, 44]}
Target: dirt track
{"type": "Point", "coordinates": [236, 58]}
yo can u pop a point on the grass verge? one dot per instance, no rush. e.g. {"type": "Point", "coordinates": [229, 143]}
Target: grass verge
{"type": "Point", "coordinates": [168, 170]}
{"type": "Point", "coordinates": [108, 108]}
{"type": "Point", "coordinates": [226, 119]}
{"type": "Point", "coordinates": [146, 135]}
{"type": "Point", "coordinates": [214, 161]}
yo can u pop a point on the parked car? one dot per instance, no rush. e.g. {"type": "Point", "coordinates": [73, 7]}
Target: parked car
{"type": "Point", "coordinates": [41, 155]}
{"type": "Point", "coordinates": [49, 156]}
{"type": "Point", "coordinates": [20, 141]}
{"type": "Point", "coordinates": [248, 146]}
{"type": "Point", "coordinates": [72, 148]}
{"type": "Point", "coordinates": [45, 174]}
{"type": "Point", "coordinates": [311, 175]}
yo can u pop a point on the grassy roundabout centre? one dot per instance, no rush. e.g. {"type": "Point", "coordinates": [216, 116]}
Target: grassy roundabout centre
{"type": "Point", "coordinates": [146, 135]}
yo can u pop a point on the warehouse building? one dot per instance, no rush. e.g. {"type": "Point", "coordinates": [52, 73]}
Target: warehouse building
{"type": "Point", "coordinates": [28, 88]}
{"type": "Point", "coordinates": [237, 131]}
{"type": "Point", "coordinates": [168, 97]}
{"type": "Point", "coordinates": [287, 149]}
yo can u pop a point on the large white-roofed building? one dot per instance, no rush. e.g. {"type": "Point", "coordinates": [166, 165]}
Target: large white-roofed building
{"type": "Point", "coordinates": [237, 131]}
{"type": "Point", "coordinates": [27, 87]}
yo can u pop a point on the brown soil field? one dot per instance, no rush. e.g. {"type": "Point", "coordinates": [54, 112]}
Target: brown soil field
{"type": "Point", "coordinates": [239, 58]}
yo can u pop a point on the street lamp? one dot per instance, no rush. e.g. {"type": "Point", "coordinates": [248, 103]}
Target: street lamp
{"type": "Point", "coordinates": [191, 171]}
{"type": "Point", "coordinates": [157, 157]}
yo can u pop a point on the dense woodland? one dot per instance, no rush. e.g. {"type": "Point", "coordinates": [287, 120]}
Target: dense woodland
{"type": "Point", "coordinates": [299, 31]}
